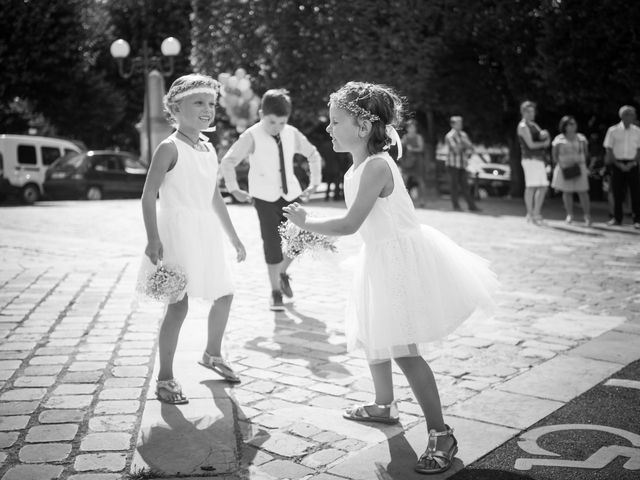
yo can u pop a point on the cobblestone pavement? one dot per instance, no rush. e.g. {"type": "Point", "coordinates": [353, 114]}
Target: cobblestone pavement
{"type": "Point", "coordinates": [77, 358]}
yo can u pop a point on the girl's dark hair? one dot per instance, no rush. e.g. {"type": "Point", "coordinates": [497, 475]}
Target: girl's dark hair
{"type": "Point", "coordinates": [368, 101]}
{"type": "Point", "coordinates": [564, 121]}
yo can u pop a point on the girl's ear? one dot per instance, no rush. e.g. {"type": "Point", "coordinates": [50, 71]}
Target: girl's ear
{"type": "Point", "coordinates": [365, 128]}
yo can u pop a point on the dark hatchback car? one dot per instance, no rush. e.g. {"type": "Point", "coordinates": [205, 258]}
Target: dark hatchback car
{"type": "Point", "coordinates": [95, 174]}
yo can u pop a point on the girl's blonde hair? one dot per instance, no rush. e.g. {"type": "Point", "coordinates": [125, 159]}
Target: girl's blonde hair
{"type": "Point", "coordinates": [185, 85]}
{"type": "Point", "coordinates": [379, 104]}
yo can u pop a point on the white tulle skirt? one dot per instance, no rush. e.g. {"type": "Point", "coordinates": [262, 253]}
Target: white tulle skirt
{"type": "Point", "coordinates": [414, 290]}
{"type": "Point", "coordinates": [194, 241]}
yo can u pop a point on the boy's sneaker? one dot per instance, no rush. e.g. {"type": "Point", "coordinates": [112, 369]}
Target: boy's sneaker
{"type": "Point", "coordinates": [276, 301]}
{"type": "Point", "coordinates": [285, 285]}
{"type": "Point", "coordinates": [614, 223]}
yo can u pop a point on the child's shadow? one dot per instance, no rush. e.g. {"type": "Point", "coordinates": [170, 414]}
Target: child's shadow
{"type": "Point", "coordinates": [304, 337]}
{"type": "Point", "coordinates": [199, 438]}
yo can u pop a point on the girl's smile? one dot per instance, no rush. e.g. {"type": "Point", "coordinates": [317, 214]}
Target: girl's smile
{"type": "Point", "coordinates": [197, 111]}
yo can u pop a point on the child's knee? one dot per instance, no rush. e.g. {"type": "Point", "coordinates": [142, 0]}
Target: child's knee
{"type": "Point", "coordinates": [409, 362]}
{"type": "Point", "coordinates": [224, 300]}
{"type": "Point", "coordinates": [179, 309]}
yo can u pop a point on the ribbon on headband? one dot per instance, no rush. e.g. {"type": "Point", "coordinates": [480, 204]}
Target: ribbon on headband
{"type": "Point", "coordinates": [392, 133]}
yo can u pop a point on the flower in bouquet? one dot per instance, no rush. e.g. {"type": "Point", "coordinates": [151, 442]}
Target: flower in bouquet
{"type": "Point", "coordinates": [165, 283]}
{"type": "Point", "coordinates": [296, 241]}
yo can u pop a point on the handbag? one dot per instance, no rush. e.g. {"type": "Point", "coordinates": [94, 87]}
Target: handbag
{"type": "Point", "coordinates": [572, 171]}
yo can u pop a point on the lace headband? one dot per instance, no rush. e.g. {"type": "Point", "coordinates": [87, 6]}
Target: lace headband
{"type": "Point", "coordinates": [355, 109]}
{"type": "Point", "coordinates": [193, 91]}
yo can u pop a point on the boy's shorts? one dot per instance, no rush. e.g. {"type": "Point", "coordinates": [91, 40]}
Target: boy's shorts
{"type": "Point", "coordinates": [271, 216]}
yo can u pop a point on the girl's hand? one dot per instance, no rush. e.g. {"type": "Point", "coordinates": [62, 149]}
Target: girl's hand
{"type": "Point", "coordinates": [154, 251]}
{"type": "Point", "coordinates": [295, 214]}
{"type": "Point", "coordinates": [241, 253]}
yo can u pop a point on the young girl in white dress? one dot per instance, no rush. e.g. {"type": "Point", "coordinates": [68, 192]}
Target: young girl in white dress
{"type": "Point", "coordinates": [414, 285]}
{"type": "Point", "coordinates": [187, 229]}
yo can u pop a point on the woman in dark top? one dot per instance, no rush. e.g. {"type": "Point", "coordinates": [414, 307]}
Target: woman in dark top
{"type": "Point", "coordinates": [533, 143]}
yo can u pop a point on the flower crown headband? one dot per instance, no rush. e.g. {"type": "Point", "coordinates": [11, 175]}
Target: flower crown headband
{"type": "Point", "coordinates": [353, 108]}
{"type": "Point", "coordinates": [194, 90]}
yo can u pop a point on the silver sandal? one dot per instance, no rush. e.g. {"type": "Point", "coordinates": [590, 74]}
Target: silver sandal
{"type": "Point", "coordinates": [359, 413]}
{"type": "Point", "coordinates": [173, 387]}
{"type": "Point", "coordinates": [220, 366]}
{"type": "Point", "coordinates": [431, 456]}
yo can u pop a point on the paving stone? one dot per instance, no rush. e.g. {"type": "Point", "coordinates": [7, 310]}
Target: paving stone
{"type": "Point", "coordinates": [327, 437]}
{"type": "Point", "coordinates": [42, 370]}
{"type": "Point", "coordinates": [112, 462]}
{"type": "Point", "coordinates": [46, 452]}
{"type": "Point", "coordinates": [10, 364]}
{"type": "Point", "coordinates": [75, 389]}
{"type": "Point", "coordinates": [106, 441]}
{"type": "Point", "coordinates": [577, 375]}
{"type": "Point", "coordinates": [69, 401]}
{"type": "Point", "coordinates": [35, 381]}
{"type": "Point", "coordinates": [33, 472]}
{"type": "Point", "coordinates": [96, 476]}
{"type": "Point", "coordinates": [61, 416]}
{"type": "Point", "coordinates": [82, 377]}
{"type": "Point", "coordinates": [329, 389]}
{"type": "Point", "coordinates": [124, 382]}
{"type": "Point", "coordinates": [14, 422]}
{"type": "Point", "coordinates": [120, 393]}
{"type": "Point", "coordinates": [52, 433]}
{"type": "Point", "coordinates": [505, 408]}
{"type": "Point", "coordinates": [117, 406]}
{"type": "Point", "coordinates": [282, 444]}
{"type": "Point", "coordinates": [322, 458]}
{"type": "Point", "coordinates": [139, 371]}
{"type": "Point", "coordinates": [113, 423]}
{"type": "Point", "coordinates": [7, 439]}
{"type": "Point", "coordinates": [304, 430]}
{"type": "Point", "coordinates": [349, 445]}
{"type": "Point", "coordinates": [285, 469]}
{"type": "Point", "coordinates": [131, 361]}
{"type": "Point", "coordinates": [87, 366]}
{"type": "Point", "coordinates": [6, 374]}
{"type": "Point", "coordinates": [618, 347]}
{"type": "Point", "coordinates": [17, 408]}
{"type": "Point", "coordinates": [49, 360]}
{"type": "Point", "coordinates": [18, 394]}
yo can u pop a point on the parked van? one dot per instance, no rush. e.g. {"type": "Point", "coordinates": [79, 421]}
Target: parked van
{"type": "Point", "coordinates": [24, 159]}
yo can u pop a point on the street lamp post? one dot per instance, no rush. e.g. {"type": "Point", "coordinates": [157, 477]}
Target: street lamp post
{"type": "Point", "coordinates": [120, 50]}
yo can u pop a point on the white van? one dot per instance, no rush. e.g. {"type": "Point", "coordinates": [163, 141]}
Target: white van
{"type": "Point", "coordinates": [24, 159]}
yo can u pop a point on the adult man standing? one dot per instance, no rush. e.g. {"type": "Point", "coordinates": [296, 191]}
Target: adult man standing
{"type": "Point", "coordinates": [622, 144]}
{"type": "Point", "coordinates": [460, 148]}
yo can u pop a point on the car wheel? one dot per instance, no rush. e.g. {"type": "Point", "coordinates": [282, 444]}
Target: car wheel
{"type": "Point", "coordinates": [30, 194]}
{"type": "Point", "coordinates": [94, 193]}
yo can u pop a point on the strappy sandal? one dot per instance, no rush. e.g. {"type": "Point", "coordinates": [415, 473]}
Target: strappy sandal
{"type": "Point", "coordinates": [220, 366]}
{"type": "Point", "coordinates": [173, 387]}
{"type": "Point", "coordinates": [441, 459]}
{"type": "Point", "coordinates": [359, 413]}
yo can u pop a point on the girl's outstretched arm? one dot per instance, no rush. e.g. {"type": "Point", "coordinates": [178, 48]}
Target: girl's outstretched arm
{"type": "Point", "coordinates": [163, 159]}
{"type": "Point", "coordinates": [375, 177]}
{"type": "Point", "coordinates": [223, 214]}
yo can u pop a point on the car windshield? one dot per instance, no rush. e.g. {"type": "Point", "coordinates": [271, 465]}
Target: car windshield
{"type": "Point", "coordinates": [70, 159]}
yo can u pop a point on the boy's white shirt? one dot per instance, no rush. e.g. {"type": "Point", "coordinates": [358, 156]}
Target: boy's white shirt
{"type": "Point", "coordinates": [264, 162]}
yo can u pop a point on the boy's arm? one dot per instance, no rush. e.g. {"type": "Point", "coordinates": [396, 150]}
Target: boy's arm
{"type": "Point", "coordinates": [240, 150]}
{"type": "Point", "coordinates": [306, 148]}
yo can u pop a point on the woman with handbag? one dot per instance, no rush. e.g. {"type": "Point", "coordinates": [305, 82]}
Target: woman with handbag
{"type": "Point", "coordinates": [570, 175]}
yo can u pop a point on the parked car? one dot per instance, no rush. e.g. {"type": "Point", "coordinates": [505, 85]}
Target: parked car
{"type": "Point", "coordinates": [488, 169]}
{"type": "Point", "coordinates": [24, 160]}
{"type": "Point", "coordinates": [96, 174]}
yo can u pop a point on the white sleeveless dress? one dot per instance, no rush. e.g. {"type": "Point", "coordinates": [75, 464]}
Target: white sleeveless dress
{"type": "Point", "coordinates": [190, 231]}
{"type": "Point", "coordinates": [413, 284]}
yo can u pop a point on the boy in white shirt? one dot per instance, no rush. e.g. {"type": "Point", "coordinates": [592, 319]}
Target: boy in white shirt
{"type": "Point", "coordinates": [270, 146]}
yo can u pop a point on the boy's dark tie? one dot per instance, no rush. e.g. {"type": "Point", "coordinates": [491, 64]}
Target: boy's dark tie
{"type": "Point", "coordinates": [283, 174]}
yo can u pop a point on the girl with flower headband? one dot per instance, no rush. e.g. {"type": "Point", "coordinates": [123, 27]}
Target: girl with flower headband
{"type": "Point", "coordinates": [187, 229]}
{"type": "Point", "coordinates": [414, 285]}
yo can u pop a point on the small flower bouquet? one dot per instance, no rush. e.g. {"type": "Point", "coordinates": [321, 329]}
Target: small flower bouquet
{"type": "Point", "coordinates": [296, 241]}
{"type": "Point", "coordinates": [163, 283]}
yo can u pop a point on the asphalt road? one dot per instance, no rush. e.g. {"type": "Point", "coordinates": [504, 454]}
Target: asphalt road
{"type": "Point", "coordinates": [585, 450]}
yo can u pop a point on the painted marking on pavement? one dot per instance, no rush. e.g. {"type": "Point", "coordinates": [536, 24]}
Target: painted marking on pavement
{"type": "Point", "coordinates": [620, 382]}
{"type": "Point", "coordinates": [597, 461]}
